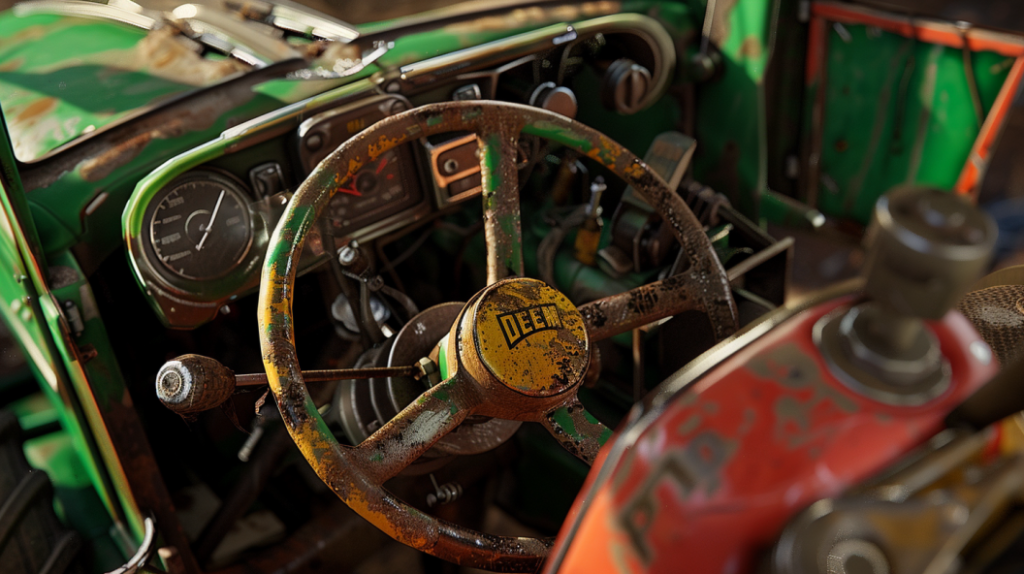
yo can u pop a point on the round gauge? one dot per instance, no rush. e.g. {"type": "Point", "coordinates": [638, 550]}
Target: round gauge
{"type": "Point", "coordinates": [378, 187]}
{"type": "Point", "coordinates": [200, 228]}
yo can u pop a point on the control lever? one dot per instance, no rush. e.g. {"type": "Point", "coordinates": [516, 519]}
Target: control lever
{"type": "Point", "coordinates": [925, 248]}
{"type": "Point", "coordinates": [193, 383]}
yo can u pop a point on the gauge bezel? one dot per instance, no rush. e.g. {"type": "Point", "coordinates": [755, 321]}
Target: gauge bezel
{"type": "Point", "coordinates": [235, 187]}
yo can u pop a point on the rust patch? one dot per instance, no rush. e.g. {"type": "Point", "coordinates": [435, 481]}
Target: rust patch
{"type": "Point", "coordinates": [104, 164]}
{"type": "Point", "coordinates": [106, 151]}
{"type": "Point", "coordinates": [12, 65]}
{"type": "Point", "coordinates": [750, 48]}
{"type": "Point", "coordinates": [36, 109]}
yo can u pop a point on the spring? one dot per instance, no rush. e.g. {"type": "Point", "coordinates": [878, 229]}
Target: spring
{"type": "Point", "coordinates": [443, 494]}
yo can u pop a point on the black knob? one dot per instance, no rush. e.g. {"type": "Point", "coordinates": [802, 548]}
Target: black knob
{"type": "Point", "coordinates": [926, 247]}
{"type": "Point", "coordinates": [193, 383]}
{"type": "Point", "coordinates": [625, 86]}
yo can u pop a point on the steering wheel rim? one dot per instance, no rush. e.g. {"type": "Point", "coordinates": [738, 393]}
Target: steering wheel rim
{"type": "Point", "coordinates": [357, 474]}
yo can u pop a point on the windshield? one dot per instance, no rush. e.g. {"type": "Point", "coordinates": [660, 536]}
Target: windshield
{"type": "Point", "coordinates": [63, 77]}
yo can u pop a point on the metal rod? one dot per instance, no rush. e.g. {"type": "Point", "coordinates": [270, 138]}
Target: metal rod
{"type": "Point", "coordinates": [705, 34]}
{"type": "Point", "coordinates": [256, 379]}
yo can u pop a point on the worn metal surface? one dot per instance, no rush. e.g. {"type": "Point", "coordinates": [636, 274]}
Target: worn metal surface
{"type": "Point", "coordinates": [577, 430]}
{"type": "Point", "coordinates": [254, 379]}
{"type": "Point", "coordinates": [637, 307]}
{"type": "Point", "coordinates": [543, 329]}
{"type": "Point", "coordinates": [50, 99]}
{"type": "Point", "coordinates": [904, 524]}
{"type": "Point", "coordinates": [904, 78]}
{"type": "Point", "coordinates": [756, 437]}
{"type": "Point", "coordinates": [500, 181]}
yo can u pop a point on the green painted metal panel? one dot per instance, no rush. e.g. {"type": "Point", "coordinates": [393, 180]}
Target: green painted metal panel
{"type": "Point", "coordinates": [731, 154]}
{"type": "Point", "coordinates": [896, 111]}
{"type": "Point", "coordinates": [24, 312]}
{"type": "Point", "coordinates": [50, 98]}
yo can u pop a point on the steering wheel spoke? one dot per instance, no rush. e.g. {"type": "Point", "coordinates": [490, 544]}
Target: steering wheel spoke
{"type": "Point", "coordinates": [623, 312]}
{"type": "Point", "coordinates": [502, 221]}
{"type": "Point", "coordinates": [578, 431]}
{"type": "Point", "coordinates": [419, 426]}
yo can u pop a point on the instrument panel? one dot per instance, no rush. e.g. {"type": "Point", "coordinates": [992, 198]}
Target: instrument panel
{"type": "Point", "coordinates": [202, 237]}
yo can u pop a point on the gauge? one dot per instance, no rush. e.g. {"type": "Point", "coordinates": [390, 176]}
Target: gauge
{"type": "Point", "coordinates": [375, 192]}
{"type": "Point", "coordinates": [200, 228]}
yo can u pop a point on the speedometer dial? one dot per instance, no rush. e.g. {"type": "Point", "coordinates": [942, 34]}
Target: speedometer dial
{"type": "Point", "coordinates": [200, 228]}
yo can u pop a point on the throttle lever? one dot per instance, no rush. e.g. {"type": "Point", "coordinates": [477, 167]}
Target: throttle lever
{"type": "Point", "coordinates": [194, 383]}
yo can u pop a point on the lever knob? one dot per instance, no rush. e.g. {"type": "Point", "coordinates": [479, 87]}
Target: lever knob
{"type": "Point", "coordinates": [193, 383]}
{"type": "Point", "coordinates": [925, 249]}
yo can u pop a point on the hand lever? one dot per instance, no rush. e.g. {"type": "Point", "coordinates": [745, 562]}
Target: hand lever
{"type": "Point", "coordinates": [193, 383]}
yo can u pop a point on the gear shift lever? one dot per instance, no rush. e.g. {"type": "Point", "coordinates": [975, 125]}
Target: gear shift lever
{"type": "Point", "coordinates": [925, 248]}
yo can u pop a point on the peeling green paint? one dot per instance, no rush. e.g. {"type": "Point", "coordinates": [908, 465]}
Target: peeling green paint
{"type": "Point", "coordinates": [916, 100]}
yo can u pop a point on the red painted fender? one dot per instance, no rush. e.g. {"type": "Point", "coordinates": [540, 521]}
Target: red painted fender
{"type": "Point", "coordinates": [730, 448]}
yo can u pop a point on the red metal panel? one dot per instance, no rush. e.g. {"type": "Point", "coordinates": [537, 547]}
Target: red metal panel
{"type": "Point", "coordinates": [709, 485]}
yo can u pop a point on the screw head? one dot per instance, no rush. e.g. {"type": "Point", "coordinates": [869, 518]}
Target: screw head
{"type": "Point", "coordinates": [346, 255]}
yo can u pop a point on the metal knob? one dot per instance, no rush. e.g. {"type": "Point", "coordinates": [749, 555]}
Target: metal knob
{"type": "Point", "coordinates": [625, 86]}
{"type": "Point", "coordinates": [925, 249]}
{"type": "Point", "coordinates": [193, 383]}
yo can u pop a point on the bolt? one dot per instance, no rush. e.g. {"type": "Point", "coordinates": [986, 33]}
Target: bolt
{"type": "Point", "coordinates": [429, 373]}
{"type": "Point", "coordinates": [348, 254]}
{"type": "Point", "coordinates": [450, 166]}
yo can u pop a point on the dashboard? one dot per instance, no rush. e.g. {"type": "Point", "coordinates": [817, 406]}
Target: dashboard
{"type": "Point", "coordinates": [197, 228]}
{"type": "Point", "coordinates": [202, 235]}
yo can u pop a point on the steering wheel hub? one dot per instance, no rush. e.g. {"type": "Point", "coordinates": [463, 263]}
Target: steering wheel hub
{"type": "Point", "coordinates": [527, 337]}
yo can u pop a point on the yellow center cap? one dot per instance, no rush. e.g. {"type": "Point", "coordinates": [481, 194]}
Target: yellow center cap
{"type": "Point", "coordinates": [530, 337]}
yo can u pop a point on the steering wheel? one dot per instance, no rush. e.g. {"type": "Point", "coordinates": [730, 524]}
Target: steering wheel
{"type": "Point", "coordinates": [518, 350]}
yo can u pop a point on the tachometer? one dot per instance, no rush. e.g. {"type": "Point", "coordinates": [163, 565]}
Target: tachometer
{"type": "Point", "coordinates": [200, 228]}
{"type": "Point", "coordinates": [377, 191]}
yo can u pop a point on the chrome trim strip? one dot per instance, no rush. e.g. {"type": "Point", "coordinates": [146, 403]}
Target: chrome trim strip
{"type": "Point", "coordinates": [82, 9]}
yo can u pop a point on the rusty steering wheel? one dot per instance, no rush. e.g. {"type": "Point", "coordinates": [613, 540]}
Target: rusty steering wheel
{"type": "Point", "coordinates": [518, 350]}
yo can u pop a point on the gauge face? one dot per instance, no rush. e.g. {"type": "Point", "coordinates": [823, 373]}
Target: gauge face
{"type": "Point", "coordinates": [200, 228]}
{"type": "Point", "coordinates": [376, 191]}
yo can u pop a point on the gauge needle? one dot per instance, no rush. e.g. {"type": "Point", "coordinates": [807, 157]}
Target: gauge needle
{"type": "Point", "coordinates": [206, 233]}
{"type": "Point", "coordinates": [380, 166]}
{"type": "Point", "coordinates": [351, 190]}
